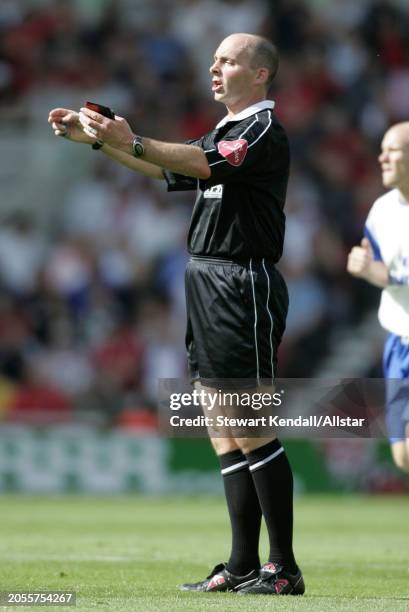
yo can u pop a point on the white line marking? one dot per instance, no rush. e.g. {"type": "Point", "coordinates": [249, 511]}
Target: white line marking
{"type": "Point", "coordinates": [247, 128]}
{"type": "Point", "coordinates": [263, 132]}
{"type": "Point", "coordinates": [271, 319]}
{"type": "Point", "coordinates": [255, 321]}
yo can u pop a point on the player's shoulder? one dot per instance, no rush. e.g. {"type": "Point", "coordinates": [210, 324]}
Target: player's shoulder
{"type": "Point", "coordinates": [385, 204]}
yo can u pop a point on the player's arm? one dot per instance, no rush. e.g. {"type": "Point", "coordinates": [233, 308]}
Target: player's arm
{"type": "Point", "coordinates": [185, 159]}
{"type": "Point", "coordinates": [66, 123]}
{"type": "Point", "coordinates": [361, 263]}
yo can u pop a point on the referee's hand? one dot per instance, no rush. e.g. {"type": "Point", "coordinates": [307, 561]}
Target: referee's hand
{"type": "Point", "coordinates": [116, 133]}
{"type": "Point", "coordinates": [360, 259]}
{"type": "Point", "coordinates": [65, 122]}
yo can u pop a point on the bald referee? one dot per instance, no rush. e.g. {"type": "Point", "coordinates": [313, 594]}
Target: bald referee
{"type": "Point", "coordinates": [236, 299]}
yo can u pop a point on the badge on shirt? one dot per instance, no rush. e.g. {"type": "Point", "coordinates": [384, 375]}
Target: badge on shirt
{"type": "Point", "coordinates": [233, 150]}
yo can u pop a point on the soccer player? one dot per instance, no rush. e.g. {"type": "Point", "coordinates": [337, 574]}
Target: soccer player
{"type": "Point", "coordinates": [383, 260]}
{"type": "Point", "coordinates": [236, 299]}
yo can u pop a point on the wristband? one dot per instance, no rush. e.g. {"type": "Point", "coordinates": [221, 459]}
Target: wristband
{"type": "Point", "coordinates": [97, 145]}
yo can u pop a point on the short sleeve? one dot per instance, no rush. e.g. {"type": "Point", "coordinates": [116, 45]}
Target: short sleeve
{"type": "Point", "coordinates": [370, 232]}
{"type": "Point", "coordinates": [180, 182]}
{"type": "Point", "coordinates": [243, 147]}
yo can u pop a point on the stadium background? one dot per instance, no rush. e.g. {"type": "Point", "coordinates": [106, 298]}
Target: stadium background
{"type": "Point", "coordinates": [92, 255]}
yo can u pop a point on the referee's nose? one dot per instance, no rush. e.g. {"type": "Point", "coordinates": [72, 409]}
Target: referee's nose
{"type": "Point", "coordinates": [214, 68]}
{"type": "Point", "coordinates": [382, 156]}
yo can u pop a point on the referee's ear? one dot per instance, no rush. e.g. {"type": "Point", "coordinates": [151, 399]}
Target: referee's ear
{"type": "Point", "coordinates": [262, 76]}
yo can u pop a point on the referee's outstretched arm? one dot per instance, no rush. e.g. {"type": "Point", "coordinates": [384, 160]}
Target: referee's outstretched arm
{"type": "Point", "coordinates": [65, 122]}
{"type": "Point", "coordinates": [116, 139]}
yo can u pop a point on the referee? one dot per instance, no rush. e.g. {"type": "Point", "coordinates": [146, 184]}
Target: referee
{"type": "Point", "coordinates": [236, 299]}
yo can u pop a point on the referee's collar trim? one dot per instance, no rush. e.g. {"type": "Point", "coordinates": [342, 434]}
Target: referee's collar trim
{"type": "Point", "coordinates": [247, 112]}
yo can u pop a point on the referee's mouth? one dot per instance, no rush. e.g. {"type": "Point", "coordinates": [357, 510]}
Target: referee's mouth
{"type": "Point", "coordinates": [217, 85]}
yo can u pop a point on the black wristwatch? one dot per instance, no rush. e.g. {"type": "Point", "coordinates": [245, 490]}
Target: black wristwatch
{"type": "Point", "coordinates": [137, 146]}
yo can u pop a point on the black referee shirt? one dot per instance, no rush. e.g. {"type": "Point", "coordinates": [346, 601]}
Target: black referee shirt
{"type": "Point", "coordinates": [238, 213]}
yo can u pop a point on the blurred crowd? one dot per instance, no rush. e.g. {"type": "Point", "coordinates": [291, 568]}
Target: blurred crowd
{"type": "Point", "coordinates": [92, 307]}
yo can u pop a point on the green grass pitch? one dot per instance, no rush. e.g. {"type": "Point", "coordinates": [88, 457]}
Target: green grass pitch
{"type": "Point", "coordinates": [130, 553]}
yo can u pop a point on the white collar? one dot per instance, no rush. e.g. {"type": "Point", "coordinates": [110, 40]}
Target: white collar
{"type": "Point", "coordinates": [247, 112]}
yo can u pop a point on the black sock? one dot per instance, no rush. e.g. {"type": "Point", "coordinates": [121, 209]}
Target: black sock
{"type": "Point", "coordinates": [244, 511]}
{"type": "Point", "coordinates": [273, 480]}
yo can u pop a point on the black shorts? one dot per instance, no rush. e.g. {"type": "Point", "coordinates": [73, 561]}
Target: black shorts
{"type": "Point", "coordinates": [236, 316]}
